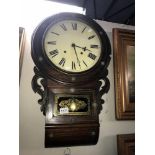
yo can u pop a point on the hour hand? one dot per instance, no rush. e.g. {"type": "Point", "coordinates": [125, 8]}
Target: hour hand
{"type": "Point", "coordinates": [77, 46]}
{"type": "Point", "coordinates": [86, 49]}
{"type": "Point", "coordinates": [83, 48]}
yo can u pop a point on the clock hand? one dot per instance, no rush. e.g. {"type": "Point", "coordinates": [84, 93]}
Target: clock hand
{"type": "Point", "coordinates": [78, 46]}
{"type": "Point", "coordinates": [73, 45]}
{"type": "Point", "coordinates": [84, 48]}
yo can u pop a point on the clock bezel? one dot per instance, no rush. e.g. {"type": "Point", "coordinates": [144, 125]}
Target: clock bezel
{"type": "Point", "coordinates": [44, 35]}
{"type": "Point", "coordinates": [52, 71]}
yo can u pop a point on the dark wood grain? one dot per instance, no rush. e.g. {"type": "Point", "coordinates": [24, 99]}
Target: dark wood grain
{"type": "Point", "coordinates": [70, 135]}
{"type": "Point", "coordinates": [126, 144]}
{"type": "Point", "coordinates": [70, 130]}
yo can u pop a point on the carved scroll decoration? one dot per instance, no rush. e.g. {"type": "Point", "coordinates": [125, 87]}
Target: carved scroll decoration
{"type": "Point", "coordinates": [105, 88]}
{"type": "Point", "coordinates": [37, 88]}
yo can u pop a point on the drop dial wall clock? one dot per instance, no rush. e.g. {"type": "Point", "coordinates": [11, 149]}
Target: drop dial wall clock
{"type": "Point", "coordinates": [71, 53]}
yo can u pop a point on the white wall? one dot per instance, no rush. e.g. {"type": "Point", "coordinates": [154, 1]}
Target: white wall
{"type": "Point", "coordinates": [32, 120]}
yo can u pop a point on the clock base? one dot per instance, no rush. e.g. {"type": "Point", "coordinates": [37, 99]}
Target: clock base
{"type": "Point", "coordinates": [71, 135]}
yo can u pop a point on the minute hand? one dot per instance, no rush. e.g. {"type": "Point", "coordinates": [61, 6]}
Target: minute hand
{"type": "Point", "coordinates": [76, 55]}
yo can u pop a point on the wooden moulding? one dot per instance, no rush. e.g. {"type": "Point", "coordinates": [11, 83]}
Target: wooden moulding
{"type": "Point", "coordinates": [21, 48]}
{"type": "Point", "coordinates": [126, 144]}
{"type": "Point", "coordinates": [124, 72]}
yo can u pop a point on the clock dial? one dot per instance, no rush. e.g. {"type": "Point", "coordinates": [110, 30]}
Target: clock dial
{"type": "Point", "coordinates": [72, 45]}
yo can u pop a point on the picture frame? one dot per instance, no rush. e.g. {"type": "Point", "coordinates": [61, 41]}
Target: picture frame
{"type": "Point", "coordinates": [21, 48]}
{"type": "Point", "coordinates": [126, 144]}
{"type": "Point", "coordinates": [124, 73]}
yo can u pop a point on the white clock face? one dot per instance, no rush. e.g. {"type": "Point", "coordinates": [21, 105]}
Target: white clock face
{"type": "Point", "coordinates": [72, 46]}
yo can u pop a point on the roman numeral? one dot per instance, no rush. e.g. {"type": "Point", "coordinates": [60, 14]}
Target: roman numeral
{"type": "Point", "coordinates": [74, 26]}
{"type": "Point", "coordinates": [54, 53]}
{"type": "Point", "coordinates": [63, 27]}
{"type": "Point", "coordinates": [62, 62]}
{"type": "Point", "coordinates": [94, 46]}
{"type": "Point", "coordinates": [92, 56]}
{"type": "Point", "coordinates": [91, 37]}
{"type": "Point", "coordinates": [73, 65]}
{"type": "Point", "coordinates": [84, 63]}
{"type": "Point", "coordinates": [55, 33]}
{"type": "Point", "coordinates": [51, 42]}
{"type": "Point", "coordinates": [84, 29]}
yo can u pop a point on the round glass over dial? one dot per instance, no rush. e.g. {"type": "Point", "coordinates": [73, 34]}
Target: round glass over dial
{"type": "Point", "coordinates": [72, 45]}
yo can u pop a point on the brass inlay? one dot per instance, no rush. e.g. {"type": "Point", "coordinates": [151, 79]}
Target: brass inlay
{"type": "Point", "coordinates": [73, 104]}
{"type": "Point", "coordinates": [76, 104]}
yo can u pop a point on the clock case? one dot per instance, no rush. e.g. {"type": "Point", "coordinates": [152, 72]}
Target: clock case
{"type": "Point", "coordinates": [73, 128]}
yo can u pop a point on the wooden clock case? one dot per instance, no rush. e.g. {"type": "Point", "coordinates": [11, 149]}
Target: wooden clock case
{"type": "Point", "coordinates": [73, 128]}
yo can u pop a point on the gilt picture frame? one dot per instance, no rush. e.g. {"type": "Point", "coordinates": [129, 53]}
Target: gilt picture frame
{"type": "Point", "coordinates": [21, 48]}
{"type": "Point", "coordinates": [124, 73]}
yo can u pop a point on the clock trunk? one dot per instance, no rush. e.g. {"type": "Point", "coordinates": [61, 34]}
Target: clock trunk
{"type": "Point", "coordinates": [77, 126]}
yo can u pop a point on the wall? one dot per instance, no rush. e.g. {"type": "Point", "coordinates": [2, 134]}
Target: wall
{"type": "Point", "coordinates": [31, 134]}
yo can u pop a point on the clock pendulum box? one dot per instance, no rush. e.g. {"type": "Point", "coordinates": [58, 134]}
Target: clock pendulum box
{"type": "Point", "coordinates": [70, 95]}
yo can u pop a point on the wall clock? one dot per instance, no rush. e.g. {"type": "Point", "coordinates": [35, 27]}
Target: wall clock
{"type": "Point", "coordinates": [71, 53]}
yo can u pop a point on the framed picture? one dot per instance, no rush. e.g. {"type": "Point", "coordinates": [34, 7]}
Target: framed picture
{"type": "Point", "coordinates": [21, 48]}
{"type": "Point", "coordinates": [124, 72]}
{"type": "Point", "coordinates": [126, 144]}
